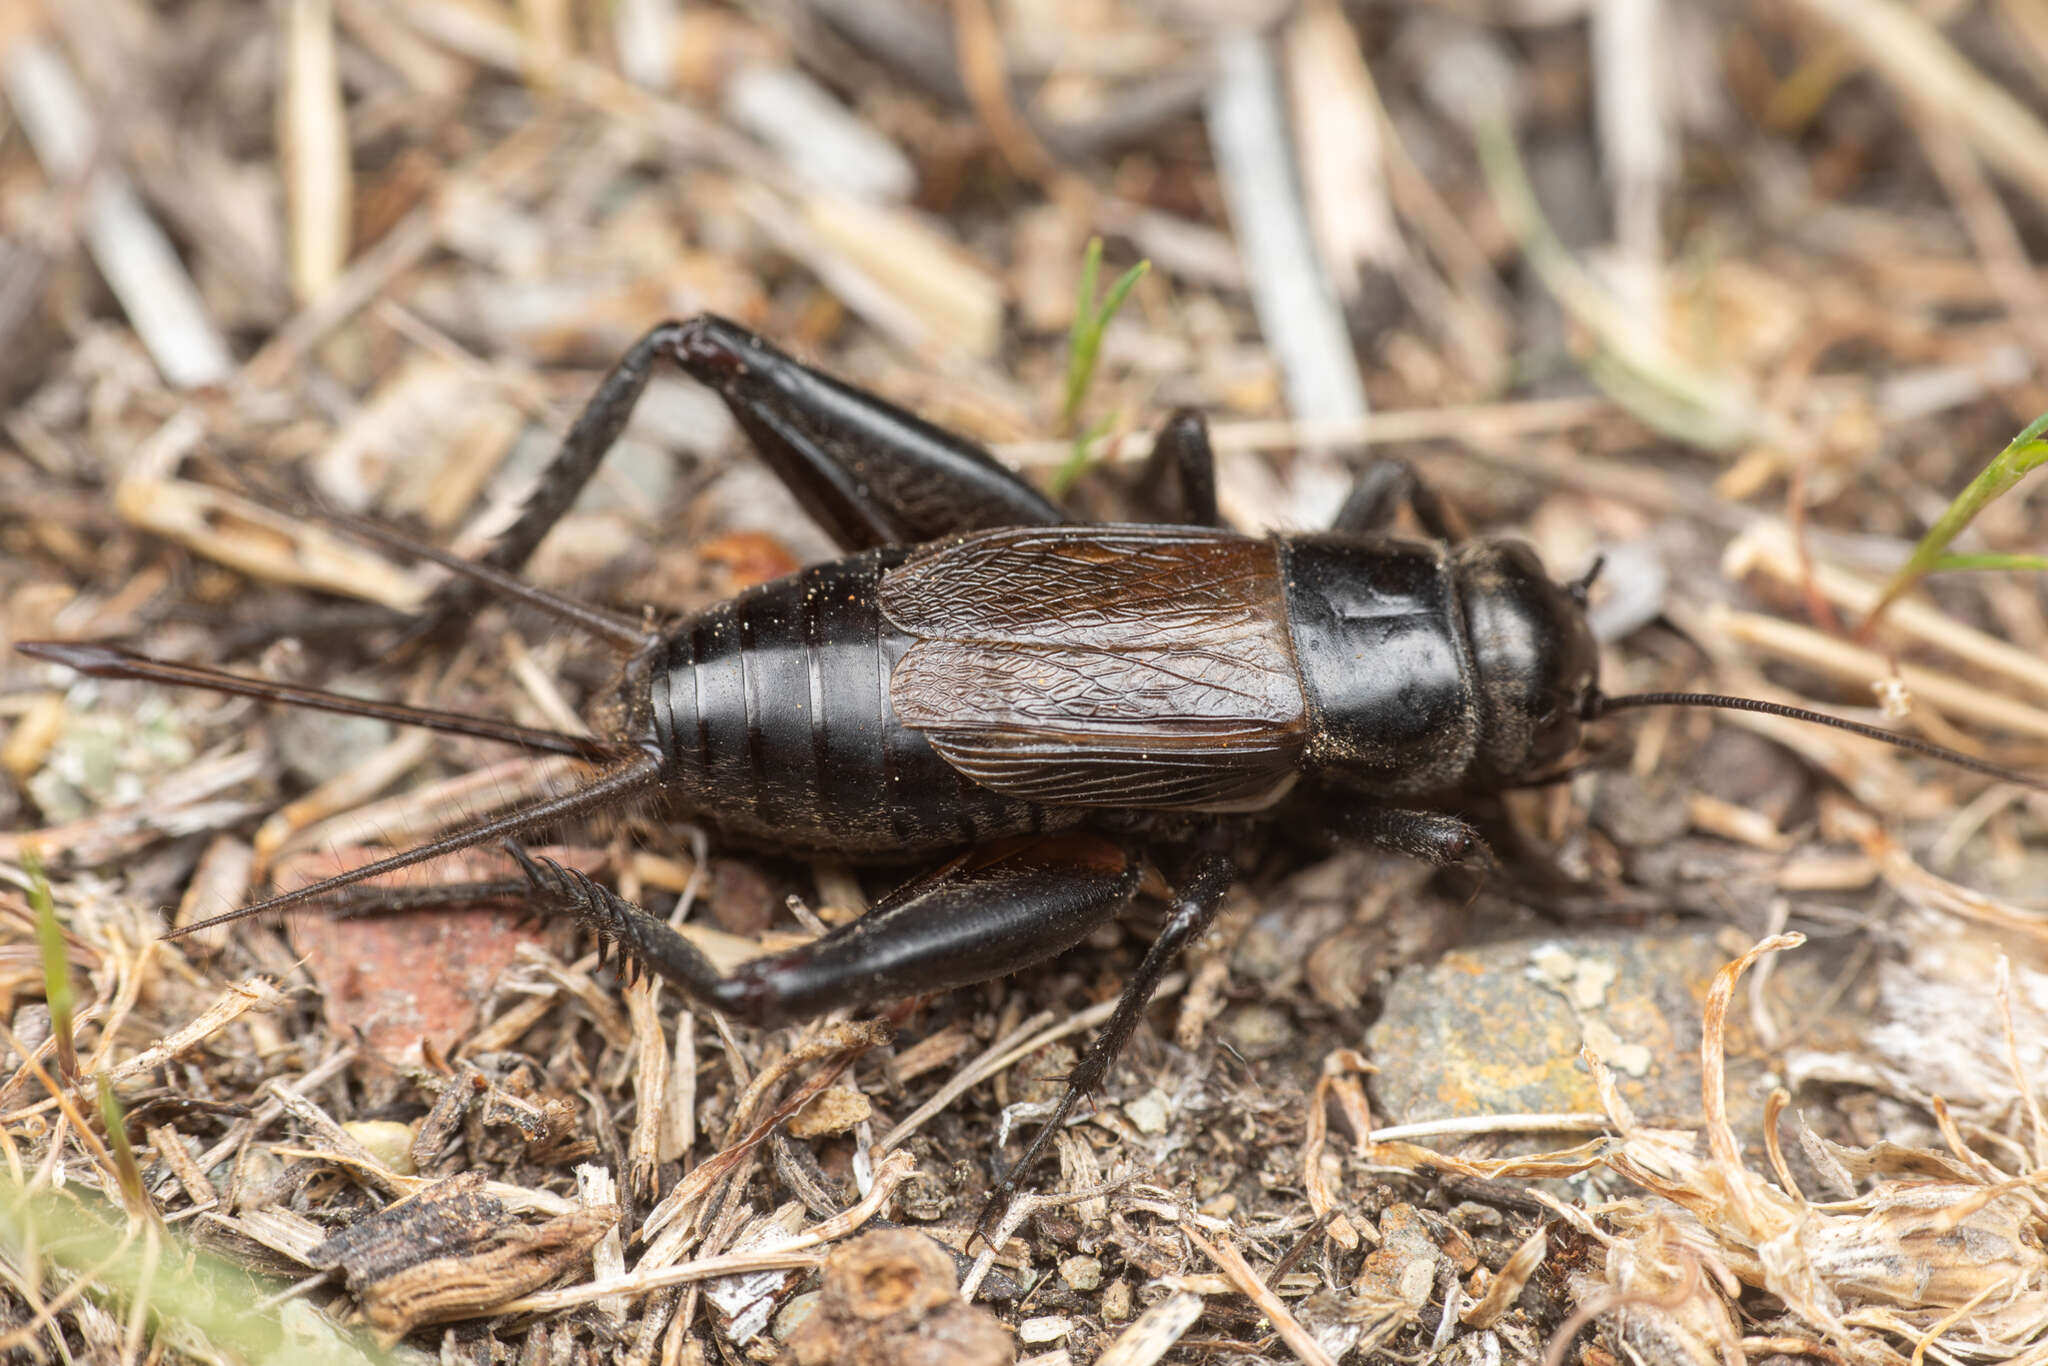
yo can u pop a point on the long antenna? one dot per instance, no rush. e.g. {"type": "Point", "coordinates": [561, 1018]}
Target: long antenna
{"type": "Point", "coordinates": [605, 789]}
{"type": "Point", "coordinates": [621, 631]}
{"type": "Point", "coordinates": [1597, 705]}
{"type": "Point", "coordinates": [107, 661]}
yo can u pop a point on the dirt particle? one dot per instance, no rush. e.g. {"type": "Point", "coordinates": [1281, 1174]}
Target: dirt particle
{"type": "Point", "coordinates": [890, 1299]}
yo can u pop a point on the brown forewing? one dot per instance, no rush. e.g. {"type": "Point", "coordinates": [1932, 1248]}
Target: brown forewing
{"type": "Point", "coordinates": [1101, 666]}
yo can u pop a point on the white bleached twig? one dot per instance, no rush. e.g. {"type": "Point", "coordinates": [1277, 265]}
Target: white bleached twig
{"type": "Point", "coordinates": [131, 251]}
{"type": "Point", "coordinates": [1297, 310]}
{"type": "Point", "coordinates": [824, 144]}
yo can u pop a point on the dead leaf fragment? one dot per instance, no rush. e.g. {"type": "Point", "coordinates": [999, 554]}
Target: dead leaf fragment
{"type": "Point", "coordinates": [454, 1252]}
{"type": "Point", "coordinates": [831, 1111]}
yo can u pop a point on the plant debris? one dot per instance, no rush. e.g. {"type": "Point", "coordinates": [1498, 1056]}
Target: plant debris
{"type": "Point", "coordinates": [1738, 1057]}
{"type": "Point", "coordinates": [889, 1299]}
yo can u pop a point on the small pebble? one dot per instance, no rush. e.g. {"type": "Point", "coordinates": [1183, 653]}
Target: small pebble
{"type": "Point", "coordinates": [1470, 1214]}
{"type": "Point", "coordinates": [1148, 1112]}
{"type": "Point", "coordinates": [1046, 1328]}
{"type": "Point", "coordinates": [1115, 1303]}
{"type": "Point", "coordinates": [1081, 1273]}
{"type": "Point", "coordinates": [794, 1313]}
{"type": "Point", "coordinates": [1259, 1031]}
{"type": "Point", "coordinates": [316, 746]}
{"type": "Point", "coordinates": [1498, 1027]}
{"type": "Point", "coordinates": [387, 1140]}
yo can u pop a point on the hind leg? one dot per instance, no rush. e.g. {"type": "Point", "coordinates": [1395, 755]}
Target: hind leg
{"type": "Point", "coordinates": [867, 471]}
{"type": "Point", "coordinates": [983, 916]}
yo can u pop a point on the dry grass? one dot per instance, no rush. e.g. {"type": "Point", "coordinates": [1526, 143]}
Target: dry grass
{"type": "Point", "coordinates": [1740, 294]}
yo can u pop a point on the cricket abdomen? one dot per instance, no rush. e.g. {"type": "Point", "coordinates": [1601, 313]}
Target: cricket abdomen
{"type": "Point", "coordinates": [772, 713]}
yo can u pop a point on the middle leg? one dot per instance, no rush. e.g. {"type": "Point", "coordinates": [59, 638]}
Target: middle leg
{"type": "Point", "coordinates": [1195, 904]}
{"type": "Point", "coordinates": [1388, 485]}
{"type": "Point", "coordinates": [1180, 474]}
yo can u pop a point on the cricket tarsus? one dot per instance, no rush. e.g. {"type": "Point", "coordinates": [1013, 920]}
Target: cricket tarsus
{"type": "Point", "coordinates": [1194, 907]}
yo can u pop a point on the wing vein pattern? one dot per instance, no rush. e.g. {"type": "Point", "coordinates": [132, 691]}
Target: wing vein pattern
{"type": "Point", "coordinates": [1103, 666]}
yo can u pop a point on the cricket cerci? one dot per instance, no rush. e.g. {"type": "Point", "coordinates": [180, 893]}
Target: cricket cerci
{"type": "Point", "coordinates": [1022, 710]}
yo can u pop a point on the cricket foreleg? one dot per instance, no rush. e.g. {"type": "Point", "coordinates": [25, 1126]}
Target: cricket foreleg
{"type": "Point", "coordinates": [1433, 837]}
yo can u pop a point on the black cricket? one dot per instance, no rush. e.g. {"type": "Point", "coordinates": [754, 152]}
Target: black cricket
{"type": "Point", "coordinates": [1029, 708]}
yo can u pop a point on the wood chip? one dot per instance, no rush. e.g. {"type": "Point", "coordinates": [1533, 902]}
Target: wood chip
{"type": "Point", "coordinates": [319, 181]}
{"type": "Point", "coordinates": [454, 1252]}
{"type": "Point", "coordinates": [822, 142]}
{"type": "Point", "coordinates": [955, 298]}
{"type": "Point", "coordinates": [1153, 1334]}
{"type": "Point", "coordinates": [263, 543]}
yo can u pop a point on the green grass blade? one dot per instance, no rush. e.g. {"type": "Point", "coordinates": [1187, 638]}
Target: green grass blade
{"type": "Point", "coordinates": [126, 1168]}
{"type": "Point", "coordinates": [1078, 458]}
{"type": "Point", "coordinates": [2023, 454]}
{"type": "Point", "coordinates": [1992, 560]}
{"type": "Point", "coordinates": [56, 968]}
{"type": "Point", "coordinates": [1633, 366]}
{"type": "Point", "coordinates": [1084, 288]}
{"type": "Point", "coordinates": [1091, 319]}
{"type": "Point", "coordinates": [1113, 302]}
{"type": "Point", "coordinates": [199, 1301]}
{"type": "Point", "coordinates": [1083, 335]}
